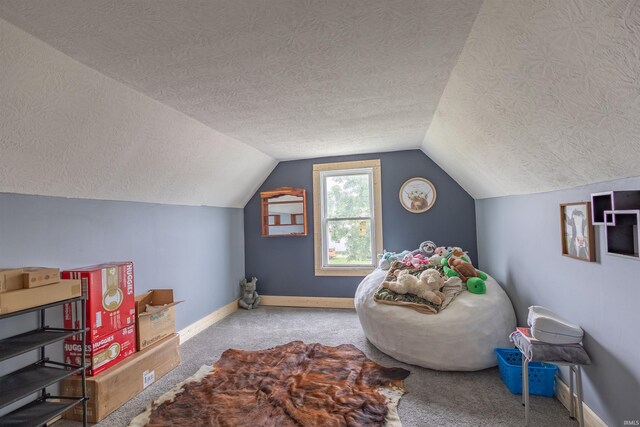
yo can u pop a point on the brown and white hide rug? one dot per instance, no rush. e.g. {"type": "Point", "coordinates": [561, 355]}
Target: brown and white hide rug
{"type": "Point", "coordinates": [295, 384]}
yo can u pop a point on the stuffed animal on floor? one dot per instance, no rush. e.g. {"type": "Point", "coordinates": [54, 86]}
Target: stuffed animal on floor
{"type": "Point", "coordinates": [249, 298]}
{"type": "Point", "coordinates": [427, 286]}
{"type": "Point", "coordinates": [468, 274]}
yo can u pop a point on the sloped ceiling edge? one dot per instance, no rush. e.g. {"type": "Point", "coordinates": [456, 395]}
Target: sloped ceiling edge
{"type": "Point", "coordinates": [294, 79]}
{"type": "Point", "coordinates": [545, 96]}
{"type": "Point", "coordinates": [70, 131]}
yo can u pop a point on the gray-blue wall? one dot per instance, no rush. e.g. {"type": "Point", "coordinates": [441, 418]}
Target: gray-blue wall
{"type": "Point", "coordinates": [197, 251]}
{"type": "Point", "coordinates": [519, 244]}
{"type": "Point", "coordinates": [285, 266]}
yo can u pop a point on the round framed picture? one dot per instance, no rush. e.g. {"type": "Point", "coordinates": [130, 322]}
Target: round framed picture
{"type": "Point", "coordinates": [417, 195]}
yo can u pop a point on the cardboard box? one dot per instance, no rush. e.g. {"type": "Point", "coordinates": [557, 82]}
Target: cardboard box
{"type": "Point", "coordinates": [114, 387]}
{"type": "Point", "coordinates": [110, 299]}
{"type": "Point", "coordinates": [27, 298]}
{"type": "Point", "coordinates": [153, 326]}
{"type": "Point", "coordinates": [102, 354]}
{"type": "Point", "coordinates": [40, 276]}
{"type": "Point", "coordinates": [11, 279]}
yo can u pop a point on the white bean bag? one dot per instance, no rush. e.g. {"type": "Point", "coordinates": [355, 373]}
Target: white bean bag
{"type": "Point", "coordinates": [459, 338]}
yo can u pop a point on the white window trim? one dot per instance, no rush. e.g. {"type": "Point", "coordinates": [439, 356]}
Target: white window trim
{"type": "Point", "coordinates": [319, 229]}
{"type": "Point", "coordinates": [325, 220]}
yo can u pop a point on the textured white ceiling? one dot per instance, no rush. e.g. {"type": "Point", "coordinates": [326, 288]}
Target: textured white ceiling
{"type": "Point", "coordinates": [545, 95]}
{"type": "Point", "coordinates": [293, 78]}
{"type": "Point", "coordinates": [67, 130]}
{"type": "Point", "coordinates": [531, 96]}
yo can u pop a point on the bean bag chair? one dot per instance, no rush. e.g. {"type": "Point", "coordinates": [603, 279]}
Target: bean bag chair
{"type": "Point", "coordinates": [461, 337]}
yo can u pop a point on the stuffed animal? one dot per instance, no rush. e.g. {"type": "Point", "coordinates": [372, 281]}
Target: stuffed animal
{"type": "Point", "coordinates": [457, 252]}
{"type": "Point", "coordinates": [384, 262]}
{"type": "Point", "coordinates": [400, 255]}
{"type": "Point", "coordinates": [454, 253]}
{"type": "Point", "coordinates": [249, 298]}
{"type": "Point", "coordinates": [433, 281]}
{"type": "Point", "coordinates": [387, 258]}
{"type": "Point", "coordinates": [425, 287]}
{"type": "Point", "coordinates": [414, 260]}
{"type": "Point", "coordinates": [426, 249]}
{"type": "Point", "coordinates": [435, 259]}
{"type": "Point", "coordinates": [439, 254]}
{"type": "Point", "coordinates": [468, 274]}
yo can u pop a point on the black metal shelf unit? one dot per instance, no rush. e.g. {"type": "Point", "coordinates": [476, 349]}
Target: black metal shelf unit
{"type": "Point", "coordinates": [36, 377]}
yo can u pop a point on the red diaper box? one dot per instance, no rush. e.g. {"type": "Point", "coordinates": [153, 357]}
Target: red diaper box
{"type": "Point", "coordinates": [103, 353]}
{"type": "Point", "coordinates": [111, 302]}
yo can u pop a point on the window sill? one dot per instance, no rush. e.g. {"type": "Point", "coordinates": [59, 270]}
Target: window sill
{"type": "Point", "coordinates": [343, 271]}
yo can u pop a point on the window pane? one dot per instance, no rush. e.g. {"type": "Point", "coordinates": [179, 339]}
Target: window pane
{"type": "Point", "coordinates": [348, 196]}
{"type": "Point", "coordinates": [349, 242]}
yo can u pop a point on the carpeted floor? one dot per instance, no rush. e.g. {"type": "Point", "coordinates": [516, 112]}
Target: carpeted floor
{"type": "Point", "coordinates": [434, 398]}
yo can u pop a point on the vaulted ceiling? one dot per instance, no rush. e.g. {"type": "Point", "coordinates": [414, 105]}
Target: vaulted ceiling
{"type": "Point", "coordinates": [204, 97]}
{"type": "Point", "coordinates": [292, 78]}
{"type": "Point", "coordinates": [545, 95]}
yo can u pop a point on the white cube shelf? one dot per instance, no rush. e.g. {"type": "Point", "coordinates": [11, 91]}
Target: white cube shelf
{"type": "Point", "coordinates": [612, 201]}
{"type": "Point", "coordinates": [623, 235]}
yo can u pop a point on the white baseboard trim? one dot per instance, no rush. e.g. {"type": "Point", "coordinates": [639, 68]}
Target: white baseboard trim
{"type": "Point", "coordinates": [590, 417]}
{"type": "Point", "coordinates": [312, 302]}
{"type": "Point", "coordinates": [200, 325]}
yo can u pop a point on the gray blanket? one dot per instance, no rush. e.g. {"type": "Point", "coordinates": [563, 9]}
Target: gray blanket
{"type": "Point", "coordinates": [543, 352]}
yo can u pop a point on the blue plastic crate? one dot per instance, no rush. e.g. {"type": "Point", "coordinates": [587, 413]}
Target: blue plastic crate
{"type": "Point", "coordinates": [542, 376]}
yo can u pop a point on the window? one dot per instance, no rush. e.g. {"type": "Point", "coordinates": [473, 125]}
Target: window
{"type": "Point", "coordinates": [347, 217]}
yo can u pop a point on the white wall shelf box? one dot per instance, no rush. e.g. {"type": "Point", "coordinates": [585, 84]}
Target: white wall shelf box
{"type": "Point", "coordinates": [612, 201]}
{"type": "Point", "coordinates": [623, 235]}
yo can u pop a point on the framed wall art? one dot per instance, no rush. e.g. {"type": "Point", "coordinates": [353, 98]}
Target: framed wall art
{"type": "Point", "coordinates": [576, 231]}
{"type": "Point", "coordinates": [417, 195]}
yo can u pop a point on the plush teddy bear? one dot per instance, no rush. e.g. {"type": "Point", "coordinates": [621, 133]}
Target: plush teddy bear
{"type": "Point", "coordinates": [249, 298]}
{"type": "Point", "coordinates": [468, 274]}
{"type": "Point", "coordinates": [426, 287]}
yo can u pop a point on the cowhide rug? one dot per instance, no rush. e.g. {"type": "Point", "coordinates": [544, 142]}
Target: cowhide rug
{"type": "Point", "coordinates": [295, 384]}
